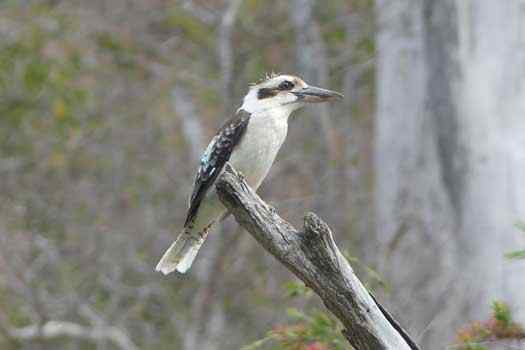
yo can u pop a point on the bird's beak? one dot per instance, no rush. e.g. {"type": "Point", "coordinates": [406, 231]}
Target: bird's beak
{"type": "Point", "coordinates": [314, 94]}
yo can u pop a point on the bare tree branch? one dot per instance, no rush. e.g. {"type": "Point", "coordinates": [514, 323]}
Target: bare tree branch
{"type": "Point", "coordinates": [57, 329]}
{"type": "Point", "coordinates": [313, 256]}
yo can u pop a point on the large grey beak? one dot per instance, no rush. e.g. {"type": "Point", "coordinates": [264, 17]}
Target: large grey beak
{"type": "Point", "coordinates": [314, 94]}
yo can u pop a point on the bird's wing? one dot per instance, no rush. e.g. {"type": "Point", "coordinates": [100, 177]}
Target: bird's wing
{"type": "Point", "coordinates": [212, 161]}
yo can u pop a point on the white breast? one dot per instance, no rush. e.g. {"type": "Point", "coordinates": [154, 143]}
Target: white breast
{"type": "Point", "coordinates": [264, 137]}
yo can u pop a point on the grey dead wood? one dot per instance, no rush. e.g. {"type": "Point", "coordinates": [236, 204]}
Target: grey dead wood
{"type": "Point", "coordinates": [313, 257]}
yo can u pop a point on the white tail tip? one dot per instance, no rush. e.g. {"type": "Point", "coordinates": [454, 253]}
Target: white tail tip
{"type": "Point", "coordinates": [180, 255]}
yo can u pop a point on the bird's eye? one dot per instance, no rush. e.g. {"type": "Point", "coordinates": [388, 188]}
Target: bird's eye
{"type": "Point", "coordinates": [286, 85]}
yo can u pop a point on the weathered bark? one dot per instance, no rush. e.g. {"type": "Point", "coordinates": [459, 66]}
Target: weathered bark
{"type": "Point", "coordinates": [313, 256]}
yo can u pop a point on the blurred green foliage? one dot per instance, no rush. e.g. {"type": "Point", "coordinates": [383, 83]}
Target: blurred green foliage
{"type": "Point", "coordinates": [518, 254]}
{"type": "Point", "coordinates": [498, 329]}
{"type": "Point", "coordinates": [315, 331]}
{"type": "Point", "coordinates": [296, 289]}
{"type": "Point", "coordinates": [39, 91]}
{"type": "Point", "coordinates": [95, 166]}
{"type": "Point", "coordinates": [308, 330]}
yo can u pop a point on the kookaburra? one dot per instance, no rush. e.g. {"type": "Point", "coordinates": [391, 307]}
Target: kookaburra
{"type": "Point", "coordinates": [249, 141]}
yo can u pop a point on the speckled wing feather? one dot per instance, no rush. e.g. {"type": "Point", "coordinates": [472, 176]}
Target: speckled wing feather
{"type": "Point", "coordinates": [216, 155]}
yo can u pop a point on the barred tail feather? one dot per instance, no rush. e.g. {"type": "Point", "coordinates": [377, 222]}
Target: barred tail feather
{"type": "Point", "coordinates": [181, 253]}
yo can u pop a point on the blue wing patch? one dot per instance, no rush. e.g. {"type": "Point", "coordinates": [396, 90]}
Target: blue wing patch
{"type": "Point", "coordinates": [213, 159]}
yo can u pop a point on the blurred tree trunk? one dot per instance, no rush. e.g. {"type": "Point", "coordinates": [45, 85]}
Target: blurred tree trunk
{"type": "Point", "coordinates": [225, 52]}
{"type": "Point", "coordinates": [415, 217]}
{"type": "Point", "coordinates": [357, 130]}
{"type": "Point", "coordinates": [492, 106]}
{"type": "Point", "coordinates": [448, 136]}
{"type": "Point", "coordinates": [313, 67]}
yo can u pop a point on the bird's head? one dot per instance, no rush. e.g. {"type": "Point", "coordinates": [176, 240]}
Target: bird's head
{"type": "Point", "coordinates": [287, 92]}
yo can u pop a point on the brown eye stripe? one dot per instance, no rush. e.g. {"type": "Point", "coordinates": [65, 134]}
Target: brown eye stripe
{"type": "Point", "coordinates": [266, 92]}
{"type": "Point", "coordinates": [270, 92]}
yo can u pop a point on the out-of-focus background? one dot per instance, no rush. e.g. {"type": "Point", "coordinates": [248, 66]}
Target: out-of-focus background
{"type": "Point", "coordinates": [106, 106]}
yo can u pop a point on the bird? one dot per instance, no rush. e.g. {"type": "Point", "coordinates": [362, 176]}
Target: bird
{"type": "Point", "coordinates": [249, 141]}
